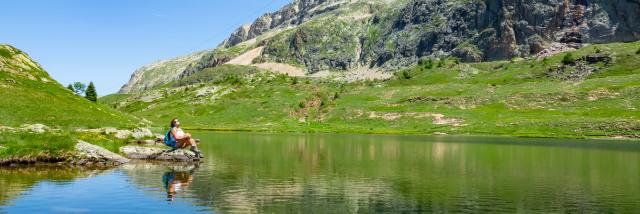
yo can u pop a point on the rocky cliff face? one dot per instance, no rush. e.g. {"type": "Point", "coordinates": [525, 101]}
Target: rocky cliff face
{"type": "Point", "coordinates": [290, 15]}
{"type": "Point", "coordinates": [330, 35]}
{"type": "Point", "coordinates": [499, 29]}
{"type": "Point", "coordinates": [471, 30]}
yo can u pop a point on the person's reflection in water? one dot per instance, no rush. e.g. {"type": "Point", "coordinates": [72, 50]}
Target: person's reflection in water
{"type": "Point", "coordinates": [178, 179]}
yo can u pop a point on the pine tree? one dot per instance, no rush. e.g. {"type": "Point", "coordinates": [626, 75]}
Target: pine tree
{"type": "Point", "coordinates": [91, 94]}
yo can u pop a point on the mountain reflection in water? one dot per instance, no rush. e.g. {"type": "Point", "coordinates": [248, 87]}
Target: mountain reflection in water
{"type": "Point", "coordinates": [282, 173]}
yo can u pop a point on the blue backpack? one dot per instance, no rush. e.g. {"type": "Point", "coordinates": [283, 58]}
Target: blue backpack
{"type": "Point", "coordinates": [169, 140]}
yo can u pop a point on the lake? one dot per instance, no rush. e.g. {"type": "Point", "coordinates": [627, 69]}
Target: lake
{"type": "Point", "coordinates": [340, 173]}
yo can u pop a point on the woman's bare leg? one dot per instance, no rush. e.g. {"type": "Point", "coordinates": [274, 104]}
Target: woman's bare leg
{"type": "Point", "coordinates": [184, 142]}
{"type": "Point", "coordinates": [188, 141]}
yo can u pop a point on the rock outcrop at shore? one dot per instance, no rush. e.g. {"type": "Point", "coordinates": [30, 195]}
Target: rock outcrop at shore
{"type": "Point", "coordinates": [89, 154]}
{"type": "Point", "coordinates": [153, 153]}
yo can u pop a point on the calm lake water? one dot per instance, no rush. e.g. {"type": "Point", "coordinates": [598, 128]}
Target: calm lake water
{"type": "Point", "coordinates": [327, 173]}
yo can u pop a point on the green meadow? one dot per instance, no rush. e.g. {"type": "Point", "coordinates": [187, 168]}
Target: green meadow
{"type": "Point", "coordinates": [31, 96]}
{"type": "Point", "coordinates": [521, 97]}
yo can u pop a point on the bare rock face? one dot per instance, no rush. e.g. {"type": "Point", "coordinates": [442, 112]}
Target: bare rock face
{"type": "Point", "coordinates": [152, 153]}
{"type": "Point", "coordinates": [92, 154]}
{"type": "Point", "coordinates": [500, 29]}
{"type": "Point", "coordinates": [291, 14]}
{"type": "Point", "coordinates": [475, 30]}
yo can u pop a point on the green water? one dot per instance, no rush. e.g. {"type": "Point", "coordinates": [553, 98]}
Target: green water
{"type": "Point", "coordinates": [280, 173]}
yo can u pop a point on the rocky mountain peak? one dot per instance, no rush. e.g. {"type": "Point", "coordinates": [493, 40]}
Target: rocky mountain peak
{"type": "Point", "coordinates": [292, 14]}
{"type": "Point", "coordinates": [386, 35]}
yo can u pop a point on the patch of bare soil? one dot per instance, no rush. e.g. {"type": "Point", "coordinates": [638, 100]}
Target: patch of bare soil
{"type": "Point", "coordinates": [246, 58]}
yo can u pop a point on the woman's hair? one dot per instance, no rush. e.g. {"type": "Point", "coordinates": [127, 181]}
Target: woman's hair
{"type": "Point", "coordinates": [173, 122]}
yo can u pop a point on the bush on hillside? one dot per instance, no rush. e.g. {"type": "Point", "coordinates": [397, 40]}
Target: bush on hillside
{"type": "Point", "coordinates": [405, 75]}
{"type": "Point", "coordinates": [568, 59]}
{"type": "Point", "coordinates": [426, 63]}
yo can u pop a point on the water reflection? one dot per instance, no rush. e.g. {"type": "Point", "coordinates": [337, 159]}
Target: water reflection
{"type": "Point", "coordinates": [267, 173]}
{"type": "Point", "coordinates": [370, 174]}
{"type": "Point", "coordinates": [178, 179]}
{"type": "Point", "coordinates": [16, 179]}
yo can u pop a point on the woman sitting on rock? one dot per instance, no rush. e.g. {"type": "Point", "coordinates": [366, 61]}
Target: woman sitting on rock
{"type": "Point", "coordinates": [182, 140]}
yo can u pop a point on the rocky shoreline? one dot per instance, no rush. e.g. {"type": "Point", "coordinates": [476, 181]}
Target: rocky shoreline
{"type": "Point", "coordinates": [141, 146]}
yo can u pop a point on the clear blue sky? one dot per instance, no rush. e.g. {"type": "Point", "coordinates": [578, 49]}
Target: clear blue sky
{"type": "Point", "coordinates": [104, 41]}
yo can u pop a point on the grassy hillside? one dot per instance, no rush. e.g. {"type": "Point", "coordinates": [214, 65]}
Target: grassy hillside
{"type": "Point", "coordinates": [521, 97]}
{"type": "Point", "coordinates": [29, 95]}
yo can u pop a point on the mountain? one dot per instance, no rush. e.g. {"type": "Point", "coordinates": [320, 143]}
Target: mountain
{"type": "Point", "coordinates": [30, 95]}
{"type": "Point", "coordinates": [363, 39]}
{"type": "Point", "coordinates": [159, 72]}
{"type": "Point", "coordinates": [589, 92]}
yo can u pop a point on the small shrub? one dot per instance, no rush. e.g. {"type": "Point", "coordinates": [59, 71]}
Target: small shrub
{"type": "Point", "coordinates": [429, 64]}
{"type": "Point", "coordinates": [638, 51]}
{"type": "Point", "coordinates": [568, 59]}
{"type": "Point", "coordinates": [233, 79]}
{"type": "Point", "coordinates": [369, 83]}
{"type": "Point", "coordinates": [301, 104]}
{"type": "Point", "coordinates": [294, 81]}
{"type": "Point", "coordinates": [598, 50]}
{"type": "Point", "coordinates": [406, 74]}
{"type": "Point", "coordinates": [545, 61]}
{"type": "Point", "coordinates": [441, 63]}
{"type": "Point", "coordinates": [425, 63]}
{"type": "Point", "coordinates": [336, 95]}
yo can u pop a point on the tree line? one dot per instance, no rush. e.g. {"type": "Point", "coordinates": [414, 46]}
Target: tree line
{"type": "Point", "coordinates": [81, 88]}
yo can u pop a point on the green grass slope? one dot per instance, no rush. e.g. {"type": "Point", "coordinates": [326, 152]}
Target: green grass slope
{"type": "Point", "coordinates": [28, 95]}
{"type": "Point", "coordinates": [522, 97]}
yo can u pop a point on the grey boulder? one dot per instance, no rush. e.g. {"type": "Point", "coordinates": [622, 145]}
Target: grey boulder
{"type": "Point", "coordinates": [154, 153]}
{"type": "Point", "coordinates": [92, 153]}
